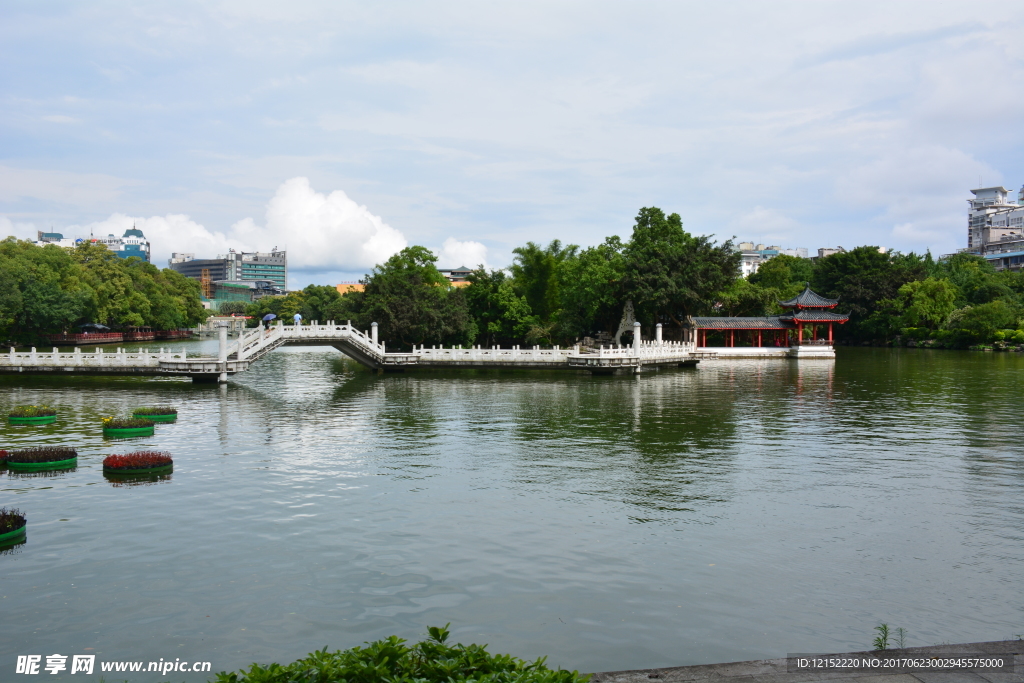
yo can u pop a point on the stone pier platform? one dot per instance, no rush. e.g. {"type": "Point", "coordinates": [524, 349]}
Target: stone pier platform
{"type": "Point", "coordinates": [778, 671]}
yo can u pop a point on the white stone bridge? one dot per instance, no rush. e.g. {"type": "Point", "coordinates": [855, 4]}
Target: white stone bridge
{"type": "Point", "coordinates": [254, 344]}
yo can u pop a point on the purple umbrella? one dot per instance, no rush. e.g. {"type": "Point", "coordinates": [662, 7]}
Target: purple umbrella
{"type": "Point", "coordinates": [269, 316]}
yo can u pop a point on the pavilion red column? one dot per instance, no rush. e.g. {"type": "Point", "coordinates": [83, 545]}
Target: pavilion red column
{"type": "Point", "coordinates": [759, 338]}
{"type": "Point", "coordinates": [799, 334]}
{"type": "Point", "coordinates": [830, 333]}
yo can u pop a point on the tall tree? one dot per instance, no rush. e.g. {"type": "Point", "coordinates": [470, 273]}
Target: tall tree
{"type": "Point", "coordinates": [671, 274]}
{"type": "Point", "coordinates": [502, 316]}
{"type": "Point", "coordinates": [862, 278]}
{"type": "Point", "coordinates": [535, 276]}
{"type": "Point", "coordinates": [590, 290]}
{"type": "Point", "coordinates": [413, 303]}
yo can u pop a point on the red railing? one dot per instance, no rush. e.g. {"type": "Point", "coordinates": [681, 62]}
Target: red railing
{"type": "Point", "coordinates": [85, 338]}
{"type": "Point", "coordinates": [174, 334]}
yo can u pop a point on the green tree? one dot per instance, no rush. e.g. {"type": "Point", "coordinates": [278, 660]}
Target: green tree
{"type": "Point", "coordinates": [502, 316]}
{"type": "Point", "coordinates": [590, 290]}
{"type": "Point", "coordinates": [670, 274]}
{"type": "Point", "coordinates": [926, 303]}
{"type": "Point", "coordinates": [982, 321]}
{"type": "Point", "coordinates": [975, 279]}
{"type": "Point", "coordinates": [413, 303]}
{"type": "Point", "coordinates": [785, 273]}
{"type": "Point", "coordinates": [535, 276]}
{"type": "Point", "coordinates": [745, 299]}
{"type": "Point", "coordinates": [861, 279]}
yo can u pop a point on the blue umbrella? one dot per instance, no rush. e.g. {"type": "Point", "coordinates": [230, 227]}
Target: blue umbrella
{"type": "Point", "coordinates": [269, 316]}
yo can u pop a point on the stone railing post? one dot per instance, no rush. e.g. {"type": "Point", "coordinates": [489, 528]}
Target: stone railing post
{"type": "Point", "coordinates": [636, 339]}
{"type": "Point", "coordinates": [222, 351]}
{"type": "Point", "coordinates": [657, 333]}
{"type": "Point", "coordinates": [373, 332]}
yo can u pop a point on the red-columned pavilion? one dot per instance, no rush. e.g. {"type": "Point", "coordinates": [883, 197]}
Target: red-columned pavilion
{"type": "Point", "coordinates": [807, 309]}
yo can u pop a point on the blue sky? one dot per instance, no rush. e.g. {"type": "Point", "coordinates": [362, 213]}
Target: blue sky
{"type": "Point", "coordinates": [344, 131]}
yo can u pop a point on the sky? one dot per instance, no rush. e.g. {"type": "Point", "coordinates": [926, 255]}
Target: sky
{"type": "Point", "coordinates": [344, 132]}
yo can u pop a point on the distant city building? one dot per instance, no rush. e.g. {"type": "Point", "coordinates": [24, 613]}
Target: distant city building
{"type": "Point", "coordinates": [131, 243]}
{"type": "Point", "coordinates": [235, 266]}
{"type": "Point", "coordinates": [456, 275]}
{"type": "Point", "coordinates": [829, 251]}
{"type": "Point", "coordinates": [995, 227]}
{"type": "Point", "coordinates": [753, 255]}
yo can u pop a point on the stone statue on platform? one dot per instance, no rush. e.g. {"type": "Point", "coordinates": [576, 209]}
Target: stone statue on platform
{"type": "Point", "coordinates": [626, 324]}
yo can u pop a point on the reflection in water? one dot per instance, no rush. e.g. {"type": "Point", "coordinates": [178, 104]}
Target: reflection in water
{"type": "Point", "coordinates": [739, 510]}
{"type": "Point", "coordinates": [136, 479]}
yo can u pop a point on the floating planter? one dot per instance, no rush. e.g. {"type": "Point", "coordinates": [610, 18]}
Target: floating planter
{"type": "Point", "coordinates": [127, 427]}
{"type": "Point", "coordinates": [139, 462]}
{"type": "Point", "coordinates": [32, 415]}
{"type": "Point", "coordinates": [42, 458]}
{"type": "Point", "coordinates": [12, 526]}
{"type": "Point", "coordinates": [3, 457]}
{"type": "Point", "coordinates": [157, 413]}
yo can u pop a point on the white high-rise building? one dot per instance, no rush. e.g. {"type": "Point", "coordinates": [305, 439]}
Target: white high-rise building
{"type": "Point", "coordinates": [995, 227]}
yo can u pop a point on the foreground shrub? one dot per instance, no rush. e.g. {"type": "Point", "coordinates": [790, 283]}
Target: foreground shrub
{"type": "Point", "coordinates": [32, 411]}
{"type": "Point", "coordinates": [43, 454]}
{"type": "Point", "coordinates": [138, 460]}
{"type": "Point", "coordinates": [155, 410]}
{"type": "Point", "coordinates": [126, 422]}
{"type": "Point", "coordinates": [11, 519]}
{"type": "Point", "coordinates": [392, 661]}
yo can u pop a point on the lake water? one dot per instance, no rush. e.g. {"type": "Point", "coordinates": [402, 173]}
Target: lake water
{"type": "Point", "coordinates": [735, 511]}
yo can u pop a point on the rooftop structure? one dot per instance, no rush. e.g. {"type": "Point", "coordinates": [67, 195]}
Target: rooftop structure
{"type": "Point", "coordinates": [132, 243]}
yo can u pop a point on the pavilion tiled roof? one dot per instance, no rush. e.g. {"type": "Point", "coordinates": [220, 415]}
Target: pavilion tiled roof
{"type": "Point", "coordinates": [809, 299]}
{"type": "Point", "coordinates": [815, 316]}
{"type": "Point", "coordinates": [728, 323]}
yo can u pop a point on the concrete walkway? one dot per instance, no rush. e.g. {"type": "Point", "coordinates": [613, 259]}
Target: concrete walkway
{"type": "Point", "coordinates": [780, 671]}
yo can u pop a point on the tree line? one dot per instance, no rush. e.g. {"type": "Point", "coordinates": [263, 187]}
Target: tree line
{"type": "Point", "coordinates": [51, 289]}
{"type": "Point", "coordinates": [559, 293]}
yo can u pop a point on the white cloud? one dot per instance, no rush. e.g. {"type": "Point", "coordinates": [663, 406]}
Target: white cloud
{"type": "Point", "coordinates": [60, 118]}
{"type": "Point", "coordinates": [321, 232]}
{"type": "Point", "coordinates": [454, 253]}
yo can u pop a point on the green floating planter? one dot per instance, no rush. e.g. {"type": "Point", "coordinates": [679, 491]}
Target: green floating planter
{"type": "Point", "coordinates": [128, 432]}
{"type": "Point", "coordinates": [124, 472]}
{"type": "Point", "coordinates": [9, 537]}
{"type": "Point", "coordinates": [41, 420]}
{"type": "Point", "coordinates": [157, 418]}
{"type": "Point", "coordinates": [43, 466]}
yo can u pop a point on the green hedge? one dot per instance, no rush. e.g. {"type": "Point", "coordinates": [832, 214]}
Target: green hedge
{"type": "Point", "coordinates": [392, 661]}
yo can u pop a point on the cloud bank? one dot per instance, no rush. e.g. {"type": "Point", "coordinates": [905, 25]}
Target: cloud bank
{"type": "Point", "coordinates": [323, 233]}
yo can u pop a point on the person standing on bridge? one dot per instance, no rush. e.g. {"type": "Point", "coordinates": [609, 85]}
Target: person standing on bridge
{"type": "Point", "coordinates": [298, 318]}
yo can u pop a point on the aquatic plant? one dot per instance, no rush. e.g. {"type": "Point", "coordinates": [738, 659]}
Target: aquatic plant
{"type": "Point", "coordinates": [42, 454]}
{"type": "Point", "coordinates": [126, 423]}
{"type": "Point", "coordinates": [137, 460]}
{"type": "Point", "coordinates": [11, 519]}
{"type": "Point", "coordinates": [3, 456]}
{"type": "Point", "coordinates": [901, 638]}
{"type": "Point", "coordinates": [881, 641]}
{"type": "Point", "coordinates": [155, 410]}
{"type": "Point", "coordinates": [32, 411]}
{"type": "Point", "coordinates": [430, 661]}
